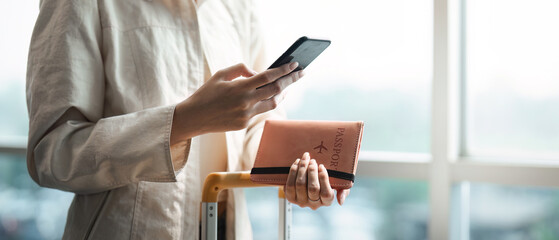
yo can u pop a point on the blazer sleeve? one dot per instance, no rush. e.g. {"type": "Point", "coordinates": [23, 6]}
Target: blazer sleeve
{"type": "Point", "coordinates": [72, 146]}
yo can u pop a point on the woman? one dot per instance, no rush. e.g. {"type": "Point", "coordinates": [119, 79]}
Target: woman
{"type": "Point", "coordinates": [132, 103]}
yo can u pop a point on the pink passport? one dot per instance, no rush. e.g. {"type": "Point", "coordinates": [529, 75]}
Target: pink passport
{"type": "Point", "coordinates": [335, 144]}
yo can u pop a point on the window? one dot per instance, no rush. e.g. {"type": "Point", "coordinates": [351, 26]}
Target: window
{"type": "Point", "coordinates": [494, 211]}
{"type": "Point", "coordinates": [510, 129]}
{"type": "Point", "coordinates": [29, 211]}
{"type": "Point", "coordinates": [17, 20]}
{"type": "Point", "coordinates": [512, 79]}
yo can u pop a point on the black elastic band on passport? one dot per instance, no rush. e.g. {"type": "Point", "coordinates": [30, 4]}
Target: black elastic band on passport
{"type": "Point", "coordinates": [285, 170]}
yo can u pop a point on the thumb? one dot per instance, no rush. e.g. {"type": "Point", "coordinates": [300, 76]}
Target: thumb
{"type": "Point", "coordinates": [342, 194]}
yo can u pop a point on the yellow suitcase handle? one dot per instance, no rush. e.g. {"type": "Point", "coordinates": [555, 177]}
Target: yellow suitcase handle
{"type": "Point", "coordinates": [218, 181]}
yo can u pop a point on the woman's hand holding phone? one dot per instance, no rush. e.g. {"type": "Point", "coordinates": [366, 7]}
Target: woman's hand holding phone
{"type": "Point", "coordinates": [222, 104]}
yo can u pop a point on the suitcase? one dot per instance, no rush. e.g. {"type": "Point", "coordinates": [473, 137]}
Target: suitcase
{"type": "Point", "coordinates": [218, 181]}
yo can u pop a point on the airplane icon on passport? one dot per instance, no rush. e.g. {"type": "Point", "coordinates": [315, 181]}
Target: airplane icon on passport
{"type": "Point", "coordinates": [320, 147]}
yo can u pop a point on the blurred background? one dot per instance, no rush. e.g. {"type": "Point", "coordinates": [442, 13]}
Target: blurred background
{"type": "Point", "coordinates": [382, 69]}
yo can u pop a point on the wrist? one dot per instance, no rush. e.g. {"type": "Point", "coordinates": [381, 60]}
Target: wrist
{"type": "Point", "coordinates": [184, 126]}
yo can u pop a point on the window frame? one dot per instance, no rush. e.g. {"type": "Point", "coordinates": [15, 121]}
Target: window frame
{"type": "Point", "coordinates": [13, 145]}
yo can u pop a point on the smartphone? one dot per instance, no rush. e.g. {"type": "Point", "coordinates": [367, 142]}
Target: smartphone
{"type": "Point", "coordinates": [303, 51]}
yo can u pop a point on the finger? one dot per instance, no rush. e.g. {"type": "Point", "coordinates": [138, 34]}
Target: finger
{"type": "Point", "coordinates": [301, 181]}
{"type": "Point", "coordinates": [267, 105]}
{"type": "Point", "coordinates": [235, 71]}
{"type": "Point", "coordinates": [269, 75]}
{"type": "Point", "coordinates": [313, 185]}
{"type": "Point", "coordinates": [280, 97]}
{"type": "Point", "coordinates": [342, 194]}
{"type": "Point", "coordinates": [290, 184]}
{"type": "Point", "coordinates": [291, 78]}
{"type": "Point", "coordinates": [278, 86]}
{"type": "Point", "coordinates": [326, 191]}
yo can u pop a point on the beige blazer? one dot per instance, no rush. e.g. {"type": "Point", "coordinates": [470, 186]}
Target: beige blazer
{"type": "Point", "coordinates": [103, 80]}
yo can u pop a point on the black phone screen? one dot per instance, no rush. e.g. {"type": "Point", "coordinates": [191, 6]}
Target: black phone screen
{"type": "Point", "coordinates": [303, 51]}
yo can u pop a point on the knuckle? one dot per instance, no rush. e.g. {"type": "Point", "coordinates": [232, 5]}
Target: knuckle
{"type": "Point", "coordinates": [314, 187]}
{"type": "Point", "coordinates": [300, 182]}
{"type": "Point", "coordinates": [328, 195]}
{"type": "Point", "coordinates": [312, 167]}
{"type": "Point", "coordinates": [294, 76]}
{"type": "Point", "coordinates": [244, 105]}
{"type": "Point", "coordinates": [273, 103]}
{"type": "Point", "coordinates": [293, 170]}
{"type": "Point", "coordinates": [244, 111]}
{"type": "Point", "coordinates": [294, 167]}
{"type": "Point", "coordinates": [275, 87]}
{"type": "Point", "coordinates": [286, 67]}
{"type": "Point", "coordinates": [219, 73]}
{"type": "Point", "coordinates": [267, 78]}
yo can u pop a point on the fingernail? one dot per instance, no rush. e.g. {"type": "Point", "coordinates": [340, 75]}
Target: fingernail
{"type": "Point", "coordinates": [297, 161]}
{"type": "Point", "coordinates": [306, 155]}
{"type": "Point", "coordinates": [301, 73]}
{"type": "Point", "coordinates": [293, 65]}
{"type": "Point", "coordinates": [342, 200]}
{"type": "Point", "coordinates": [313, 161]}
